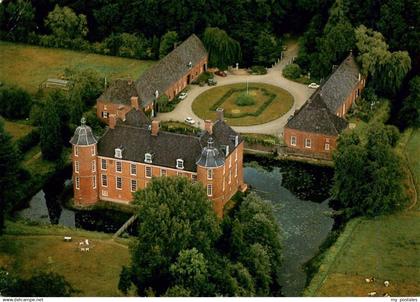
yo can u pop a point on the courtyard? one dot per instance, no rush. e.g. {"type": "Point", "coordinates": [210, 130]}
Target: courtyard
{"type": "Point", "coordinates": [244, 104]}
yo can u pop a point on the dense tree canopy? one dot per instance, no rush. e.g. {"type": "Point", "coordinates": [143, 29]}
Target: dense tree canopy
{"type": "Point", "coordinates": [410, 111]}
{"type": "Point", "coordinates": [15, 103]}
{"type": "Point", "coordinates": [368, 175]}
{"type": "Point", "coordinates": [167, 43]}
{"type": "Point", "coordinates": [51, 129]}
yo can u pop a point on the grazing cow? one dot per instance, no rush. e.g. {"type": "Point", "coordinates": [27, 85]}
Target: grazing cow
{"type": "Point", "coordinates": [386, 283]}
{"type": "Point", "coordinates": [371, 294]}
{"type": "Point", "coordinates": [386, 295]}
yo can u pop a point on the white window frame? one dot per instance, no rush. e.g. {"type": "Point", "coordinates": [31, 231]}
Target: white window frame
{"type": "Point", "coordinates": [118, 153]}
{"type": "Point", "coordinates": [133, 182]}
{"type": "Point", "coordinates": [224, 184]}
{"type": "Point", "coordinates": [293, 140]}
{"type": "Point", "coordinates": [193, 177]}
{"type": "Point", "coordinates": [118, 164]}
{"type": "Point", "coordinates": [230, 176]}
{"type": "Point", "coordinates": [327, 146]}
{"type": "Point", "coordinates": [230, 161]}
{"type": "Point", "coordinates": [236, 155]}
{"type": "Point", "coordinates": [133, 168]}
{"type": "Point", "coordinates": [309, 146]}
{"type": "Point", "coordinates": [210, 174]}
{"type": "Point", "coordinates": [76, 166]}
{"type": "Point", "coordinates": [94, 165]}
{"type": "Point", "coordinates": [210, 190]}
{"type": "Point", "coordinates": [180, 164]}
{"type": "Point", "coordinates": [116, 182]}
{"type": "Point", "coordinates": [77, 182]}
{"type": "Point", "coordinates": [148, 175]}
{"type": "Point", "coordinates": [94, 181]}
{"type": "Point", "coordinates": [104, 164]}
{"type": "Point", "coordinates": [163, 172]}
{"type": "Point", "coordinates": [104, 181]}
{"type": "Point", "coordinates": [148, 158]}
{"type": "Point", "coordinates": [236, 170]}
{"type": "Point", "coordinates": [76, 151]}
{"type": "Point", "coordinates": [93, 150]}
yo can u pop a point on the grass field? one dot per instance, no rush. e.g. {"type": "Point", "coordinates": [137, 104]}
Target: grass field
{"type": "Point", "coordinates": [387, 247]}
{"type": "Point", "coordinates": [25, 249]}
{"type": "Point", "coordinates": [28, 66]}
{"type": "Point", "coordinates": [278, 107]}
{"type": "Point", "coordinates": [17, 129]}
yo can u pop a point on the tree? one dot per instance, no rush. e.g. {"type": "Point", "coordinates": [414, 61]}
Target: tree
{"type": "Point", "coordinates": [66, 26]}
{"type": "Point", "coordinates": [9, 165]}
{"type": "Point", "coordinates": [222, 49]}
{"type": "Point", "coordinates": [268, 49]}
{"type": "Point", "coordinates": [51, 130]}
{"type": "Point", "coordinates": [124, 283]}
{"type": "Point", "coordinates": [292, 71]}
{"type": "Point", "coordinates": [167, 43]}
{"type": "Point", "coordinates": [18, 20]}
{"type": "Point", "coordinates": [15, 102]}
{"type": "Point", "coordinates": [410, 111]}
{"type": "Point", "coordinates": [174, 215]}
{"type": "Point", "coordinates": [368, 175]}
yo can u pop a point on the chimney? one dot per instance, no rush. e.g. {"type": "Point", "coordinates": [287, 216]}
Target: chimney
{"type": "Point", "coordinates": [135, 102]}
{"type": "Point", "coordinates": [121, 113]}
{"type": "Point", "coordinates": [112, 121]}
{"type": "Point", "coordinates": [155, 128]}
{"type": "Point", "coordinates": [220, 115]}
{"type": "Point", "coordinates": [208, 126]}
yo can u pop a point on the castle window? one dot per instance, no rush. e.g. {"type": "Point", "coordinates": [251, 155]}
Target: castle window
{"type": "Point", "coordinates": [230, 176]}
{"type": "Point", "coordinates": [76, 151]}
{"type": "Point", "coordinates": [103, 164]}
{"type": "Point", "coordinates": [93, 165]}
{"type": "Point", "coordinates": [118, 166]}
{"type": "Point", "coordinates": [162, 172]}
{"type": "Point", "coordinates": [118, 153]}
{"type": "Point", "coordinates": [236, 140]}
{"type": "Point", "coordinates": [327, 146]}
{"type": "Point", "coordinates": [118, 183]}
{"type": "Point", "coordinates": [148, 172]}
{"type": "Point", "coordinates": [133, 185]}
{"type": "Point", "coordinates": [179, 163]}
{"type": "Point", "coordinates": [209, 190]}
{"type": "Point", "coordinates": [223, 184]}
{"type": "Point", "coordinates": [94, 181]}
{"type": "Point", "coordinates": [148, 158]}
{"type": "Point", "coordinates": [93, 151]}
{"type": "Point", "coordinates": [104, 181]}
{"type": "Point", "coordinates": [293, 140]}
{"type": "Point", "coordinates": [77, 182]}
{"type": "Point", "coordinates": [307, 143]}
{"type": "Point", "coordinates": [236, 169]}
{"type": "Point", "coordinates": [209, 174]}
{"type": "Point", "coordinates": [105, 114]}
{"type": "Point", "coordinates": [194, 177]}
{"type": "Point", "coordinates": [236, 155]}
{"type": "Point", "coordinates": [133, 169]}
{"type": "Point", "coordinates": [230, 162]}
{"type": "Point", "coordinates": [76, 167]}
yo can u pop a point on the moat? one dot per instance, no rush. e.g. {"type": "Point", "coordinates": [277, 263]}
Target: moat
{"type": "Point", "coordinates": [298, 192]}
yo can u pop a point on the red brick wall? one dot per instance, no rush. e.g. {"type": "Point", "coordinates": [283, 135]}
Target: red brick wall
{"type": "Point", "coordinates": [357, 91]}
{"type": "Point", "coordinates": [86, 194]}
{"type": "Point", "coordinates": [318, 141]}
{"type": "Point", "coordinates": [111, 108]}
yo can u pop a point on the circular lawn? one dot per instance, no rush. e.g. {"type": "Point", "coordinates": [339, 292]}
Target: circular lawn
{"type": "Point", "coordinates": [258, 104]}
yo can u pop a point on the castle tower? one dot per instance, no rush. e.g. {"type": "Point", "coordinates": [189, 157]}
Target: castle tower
{"type": "Point", "coordinates": [85, 166]}
{"type": "Point", "coordinates": [210, 172]}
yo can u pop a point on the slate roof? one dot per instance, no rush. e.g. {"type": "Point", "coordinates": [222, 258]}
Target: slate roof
{"type": "Point", "coordinates": [340, 84]}
{"type": "Point", "coordinates": [315, 117]}
{"type": "Point", "coordinates": [210, 156]}
{"type": "Point", "coordinates": [120, 91]}
{"type": "Point", "coordinates": [170, 69]}
{"type": "Point", "coordinates": [136, 118]}
{"type": "Point", "coordinates": [167, 147]}
{"type": "Point", "coordinates": [83, 135]}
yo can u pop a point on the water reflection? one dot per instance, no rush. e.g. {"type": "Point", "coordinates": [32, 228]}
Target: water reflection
{"type": "Point", "coordinates": [304, 223]}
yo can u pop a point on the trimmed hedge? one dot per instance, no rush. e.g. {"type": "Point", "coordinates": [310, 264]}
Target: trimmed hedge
{"type": "Point", "coordinates": [258, 70]}
{"type": "Point", "coordinates": [28, 141]}
{"type": "Point", "coordinates": [245, 100]}
{"type": "Point", "coordinates": [292, 71]}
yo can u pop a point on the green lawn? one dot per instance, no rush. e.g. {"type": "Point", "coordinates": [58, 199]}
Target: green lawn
{"type": "Point", "coordinates": [17, 129]}
{"type": "Point", "coordinates": [282, 103]}
{"type": "Point", "coordinates": [387, 247]}
{"type": "Point", "coordinates": [25, 249]}
{"type": "Point", "coordinates": [28, 66]}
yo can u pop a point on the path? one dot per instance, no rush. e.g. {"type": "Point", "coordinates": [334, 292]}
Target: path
{"type": "Point", "coordinates": [274, 77]}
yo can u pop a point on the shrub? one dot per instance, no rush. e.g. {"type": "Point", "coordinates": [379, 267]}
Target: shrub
{"type": "Point", "coordinates": [245, 100]}
{"type": "Point", "coordinates": [15, 102]}
{"type": "Point", "coordinates": [28, 141]}
{"type": "Point", "coordinates": [257, 69]}
{"type": "Point", "coordinates": [292, 71]}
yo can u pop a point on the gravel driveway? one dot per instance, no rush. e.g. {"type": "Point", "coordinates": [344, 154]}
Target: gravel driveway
{"type": "Point", "coordinates": [274, 77]}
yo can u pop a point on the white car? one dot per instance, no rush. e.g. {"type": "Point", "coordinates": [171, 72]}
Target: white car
{"type": "Point", "coordinates": [182, 95]}
{"type": "Point", "coordinates": [313, 85]}
{"type": "Point", "coordinates": [190, 121]}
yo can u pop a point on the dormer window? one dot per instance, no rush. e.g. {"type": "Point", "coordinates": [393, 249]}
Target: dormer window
{"type": "Point", "coordinates": [148, 158]}
{"type": "Point", "coordinates": [236, 140]}
{"type": "Point", "coordinates": [227, 150]}
{"type": "Point", "coordinates": [180, 163]}
{"type": "Point", "coordinates": [118, 153]}
{"type": "Point", "coordinates": [189, 64]}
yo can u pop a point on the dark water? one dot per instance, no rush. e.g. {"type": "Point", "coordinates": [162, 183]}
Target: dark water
{"type": "Point", "coordinates": [47, 207]}
{"type": "Point", "coordinates": [300, 205]}
{"type": "Point", "coordinates": [298, 193]}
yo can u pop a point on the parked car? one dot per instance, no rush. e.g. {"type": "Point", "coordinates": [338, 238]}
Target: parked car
{"type": "Point", "coordinates": [211, 82]}
{"type": "Point", "coordinates": [182, 95]}
{"type": "Point", "coordinates": [313, 85]}
{"type": "Point", "coordinates": [190, 121]}
{"type": "Point", "coordinates": [221, 73]}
